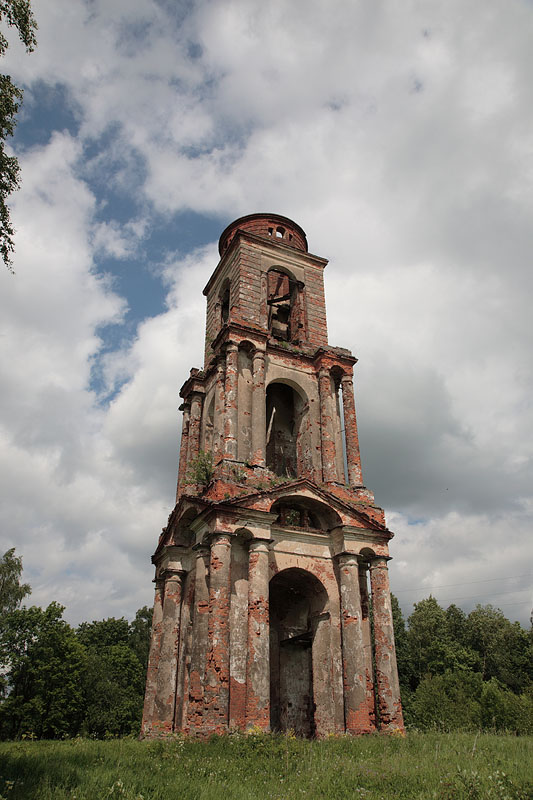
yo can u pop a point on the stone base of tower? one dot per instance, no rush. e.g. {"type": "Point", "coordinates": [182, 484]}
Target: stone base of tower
{"type": "Point", "coordinates": [261, 617]}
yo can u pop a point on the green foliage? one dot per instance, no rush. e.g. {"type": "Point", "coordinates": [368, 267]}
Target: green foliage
{"type": "Point", "coordinates": [12, 592]}
{"type": "Point", "coordinates": [433, 647]}
{"type": "Point", "coordinates": [422, 766]}
{"type": "Point", "coordinates": [503, 648]}
{"type": "Point", "coordinates": [446, 702]}
{"type": "Point", "coordinates": [113, 682]}
{"type": "Point", "coordinates": [403, 656]}
{"type": "Point", "coordinates": [113, 687]}
{"type": "Point", "coordinates": [140, 634]}
{"type": "Point", "coordinates": [44, 662]}
{"type": "Point", "coordinates": [17, 14]}
{"type": "Point", "coordinates": [104, 633]}
{"type": "Point", "coordinates": [464, 672]}
{"type": "Point", "coordinates": [201, 469]}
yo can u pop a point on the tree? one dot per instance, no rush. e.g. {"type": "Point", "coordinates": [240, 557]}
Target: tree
{"type": "Point", "coordinates": [113, 686]}
{"type": "Point", "coordinates": [433, 643]}
{"type": "Point", "coordinates": [44, 663]}
{"type": "Point", "coordinates": [140, 634]}
{"type": "Point", "coordinates": [17, 14]}
{"type": "Point", "coordinates": [403, 656]}
{"type": "Point", "coordinates": [449, 701]}
{"type": "Point", "coordinates": [113, 682]}
{"type": "Point", "coordinates": [503, 648]}
{"type": "Point", "coordinates": [12, 592]}
{"type": "Point", "coordinates": [104, 633]}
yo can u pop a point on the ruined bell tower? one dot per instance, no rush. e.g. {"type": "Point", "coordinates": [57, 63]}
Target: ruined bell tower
{"type": "Point", "coordinates": [275, 549]}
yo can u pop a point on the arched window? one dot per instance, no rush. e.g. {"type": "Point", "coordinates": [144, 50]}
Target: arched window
{"type": "Point", "coordinates": [281, 430]}
{"type": "Point", "coordinates": [285, 310]}
{"type": "Point", "coordinates": [224, 303]}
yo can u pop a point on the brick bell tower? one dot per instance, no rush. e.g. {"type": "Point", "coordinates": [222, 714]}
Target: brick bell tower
{"type": "Point", "coordinates": [265, 570]}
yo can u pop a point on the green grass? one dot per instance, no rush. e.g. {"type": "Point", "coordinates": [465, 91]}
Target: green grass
{"type": "Point", "coordinates": [424, 766]}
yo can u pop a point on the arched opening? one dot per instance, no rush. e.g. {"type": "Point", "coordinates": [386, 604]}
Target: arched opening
{"type": "Point", "coordinates": [288, 453]}
{"type": "Point", "coordinates": [340, 432]}
{"type": "Point", "coordinates": [224, 302]}
{"type": "Point", "coordinates": [299, 644]}
{"type": "Point", "coordinates": [285, 306]}
{"type": "Point", "coordinates": [297, 511]}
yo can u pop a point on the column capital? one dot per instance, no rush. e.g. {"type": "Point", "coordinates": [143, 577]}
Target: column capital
{"type": "Point", "coordinates": [172, 574]}
{"type": "Point", "coordinates": [231, 346]}
{"type": "Point", "coordinates": [323, 372]}
{"type": "Point", "coordinates": [347, 379]}
{"type": "Point", "coordinates": [379, 562]}
{"type": "Point", "coordinates": [200, 549]}
{"type": "Point", "coordinates": [220, 537]}
{"type": "Point", "coordinates": [259, 545]}
{"type": "Point", "coordinates": [346, 559]}
{"type": "Point", "coordinates": [259, 352]}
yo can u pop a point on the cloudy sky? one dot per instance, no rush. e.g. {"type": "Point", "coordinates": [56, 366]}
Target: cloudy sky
{"type": "Point", "coordinates": [399, 136]}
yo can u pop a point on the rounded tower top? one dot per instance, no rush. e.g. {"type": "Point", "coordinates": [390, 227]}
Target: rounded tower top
{"type": "Point", "coordinates": [270, 226]}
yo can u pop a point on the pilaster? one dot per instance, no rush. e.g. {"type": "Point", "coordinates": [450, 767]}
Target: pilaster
{"type": "Point", "coordinates": [168, 660]}
{"type": "Point", "coordinates": [353, 456]}
{"type": "Point", "coordinates": [231, 412]}
{"type": "Point", "coordinates": [217, 667]}
{"type": "Point", "coordinates": [258, 409]}
{"type": "Point", "coordinates": [388, 687]}
{"type": "Point", "coordinates": [356, 714]}
{"type": "Point", "coordinates": [258, 669]}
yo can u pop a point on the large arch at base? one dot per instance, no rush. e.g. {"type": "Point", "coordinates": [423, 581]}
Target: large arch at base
{"type": "Point", "coordinates": [299, 646]}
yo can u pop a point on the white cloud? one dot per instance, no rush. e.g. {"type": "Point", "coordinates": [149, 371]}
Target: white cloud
{"type": "Point", "coordinates": [399, 138]}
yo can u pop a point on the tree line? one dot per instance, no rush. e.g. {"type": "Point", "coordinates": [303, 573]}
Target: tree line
{"type": "Point", "coordinates": [57, 681]}
{"type": "Point", "coordinates": [464, 671]}
{"type": "Point", "coordinates": [457, 671]}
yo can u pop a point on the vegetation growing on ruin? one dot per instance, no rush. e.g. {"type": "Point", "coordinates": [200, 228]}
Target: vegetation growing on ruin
{"type": "Point", "coordinates": [201, 469]}
{"type": "Point", "coordinates": [424, 766]}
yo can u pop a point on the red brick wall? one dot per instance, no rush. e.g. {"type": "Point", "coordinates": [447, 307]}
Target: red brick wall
{"type": "Point", "coordinates": [267, 225]}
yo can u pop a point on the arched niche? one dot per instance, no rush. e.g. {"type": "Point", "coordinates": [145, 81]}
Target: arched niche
{"type": "Point", "coordinates": [304, 512]}
{"type": "Point", "coordinates": [244, 407]}
{"type": "Point", "coordinates": [224, 297]}
{"type": "Point", "coordinates": [183, 535]}
{"type": "Point", "coordinates": [288, 440]}
{"type": "Point", "coordinates": [299, 651]}
{"type": "Point", "coordinates": [208, 441]}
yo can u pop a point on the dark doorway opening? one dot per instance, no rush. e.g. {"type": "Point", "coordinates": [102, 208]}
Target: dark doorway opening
{"type": "Point", "coordinates": [297, 600]}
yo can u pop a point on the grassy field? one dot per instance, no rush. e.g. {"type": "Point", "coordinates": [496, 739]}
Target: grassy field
{"type": "Point", "coordinates": [424, 766]}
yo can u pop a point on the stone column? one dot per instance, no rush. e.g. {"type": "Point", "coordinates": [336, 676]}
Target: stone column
{"type": "Point", "coordinates": [258, 409]}
{"type": "Point", "coordinates": [356, 714]}
{"type": "Point", "coordinates": [367, 642]}
{"type": "Point", "coordinates": [388, 687]}
{"type": "Point", "coordinates": [219, 412]}
{"type": "Point", "coordinates": [194, 427]}
{"type": "Point", "coordinates": [153, 659]}
{"type": "Point", "coordinates": [216, 691]}
{"type": "Point", "coordinates": [353, 456]}
{"type": "Point", "coordinates": [258, 667]}
{"type": "Point", "coordinates": [200, 631]}
{"type": "Point", "coordinates": [329, 467]}
{"type": "Point", "coordinates": [231, 418]}
{"type": "Point", "coordinates": [182, 469]}
{"type": "Point", "coordinates": [168, 659]}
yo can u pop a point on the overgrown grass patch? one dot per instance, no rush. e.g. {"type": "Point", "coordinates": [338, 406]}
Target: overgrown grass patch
{"type": "Point", "coordinates": [424, 766]}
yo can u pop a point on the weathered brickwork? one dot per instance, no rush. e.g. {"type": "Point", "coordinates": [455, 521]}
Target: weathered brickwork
{"type": "Point", "coordinates": [266, 568]}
